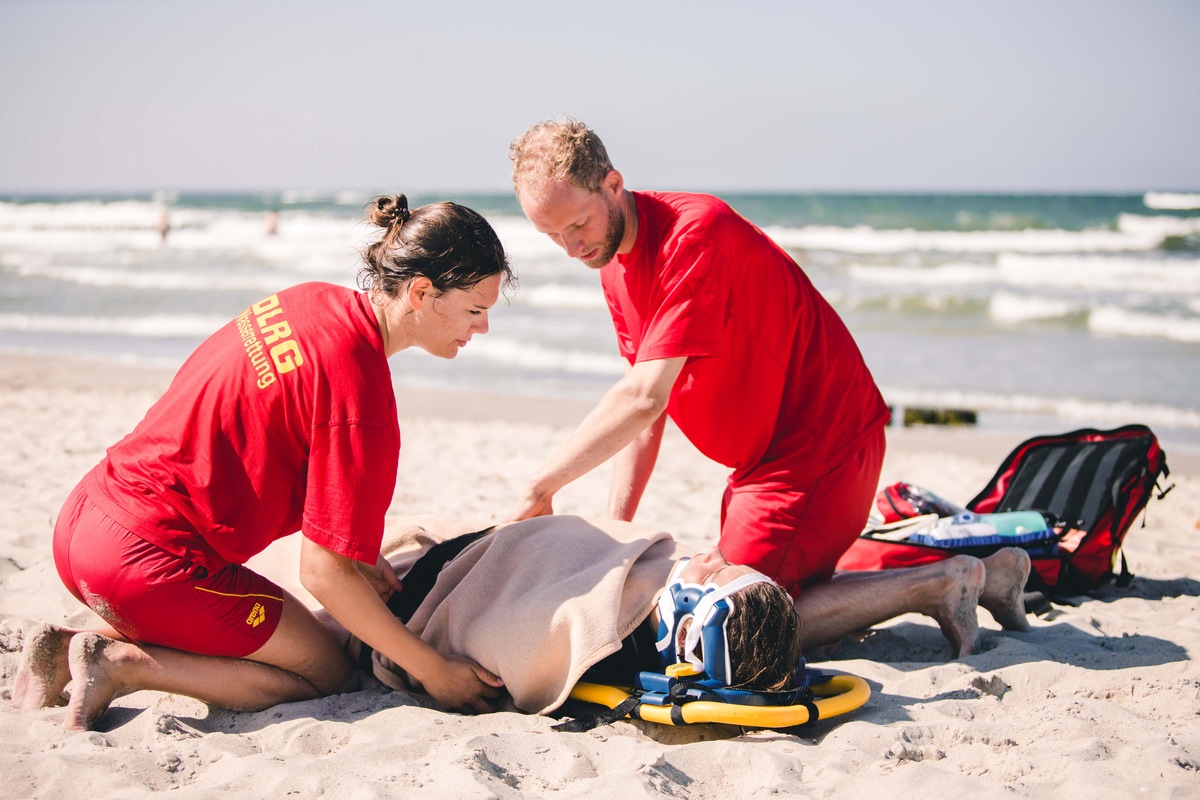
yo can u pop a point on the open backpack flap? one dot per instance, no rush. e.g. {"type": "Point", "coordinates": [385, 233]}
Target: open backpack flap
{"type": "Point", "coordinates": [1086, 487]}
{"type": "Point", "coordinates": [970, 532]}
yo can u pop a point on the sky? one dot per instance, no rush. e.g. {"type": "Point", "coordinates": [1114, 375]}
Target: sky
{"type": "Point", "coordinates": [860, 95]}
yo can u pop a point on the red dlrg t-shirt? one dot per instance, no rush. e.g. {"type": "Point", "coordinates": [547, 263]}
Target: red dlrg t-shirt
{"type": "Point", "coordinates": [284, 419]}
{"type": "Point", "coordinates": [774, 385]}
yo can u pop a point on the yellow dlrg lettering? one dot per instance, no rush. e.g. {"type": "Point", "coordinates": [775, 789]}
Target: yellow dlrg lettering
{"type": "Point", "coordinates": [263, 306]}
{"type": "Point", "coordinates": [287, 356]}
{"type": "Point", "coordinates": [273, 333]}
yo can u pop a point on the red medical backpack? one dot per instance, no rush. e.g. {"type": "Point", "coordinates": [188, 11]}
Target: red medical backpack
{"type": "Point", "coordinates": [1089, 484]}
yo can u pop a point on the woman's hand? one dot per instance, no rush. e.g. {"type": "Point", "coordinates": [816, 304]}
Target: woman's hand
{"type": "Point", "coordinates": [381, 576]}
{"type": "Point", "coordinates": [343, 587]}
{"type": "Point", "coordinates": [464, 686]}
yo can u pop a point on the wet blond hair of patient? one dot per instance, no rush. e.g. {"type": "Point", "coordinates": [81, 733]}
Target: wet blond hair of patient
{"type": "Point", "coordinates": [764, 639]}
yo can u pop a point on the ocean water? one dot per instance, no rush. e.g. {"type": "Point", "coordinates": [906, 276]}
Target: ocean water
{"type": "Point", "coordinates": [1043, 313]}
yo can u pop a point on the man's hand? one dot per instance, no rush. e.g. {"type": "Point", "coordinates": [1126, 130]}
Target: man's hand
{"type": "Point", "coordinates": [464, 686]}
{"type": "Point", "coordinates": [381, 576]}
{"type": "Point", "coordinates": [532, 506]}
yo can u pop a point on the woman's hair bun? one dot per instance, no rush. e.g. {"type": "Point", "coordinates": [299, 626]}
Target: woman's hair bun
{"type": "Point", "coordinates": [389, 210]}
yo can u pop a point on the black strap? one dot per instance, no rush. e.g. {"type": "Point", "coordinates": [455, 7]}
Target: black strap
{"type": "Point", "coordinates": [629, 708]}
{"type": "Point", "coordinates": [585, 722]}
{"type": "Point", "coordinates": [1125, 577]}
{"type": "Point", "coordinates": [1163, 492]}
{"type": "Point", "coordinates": [682, 692]}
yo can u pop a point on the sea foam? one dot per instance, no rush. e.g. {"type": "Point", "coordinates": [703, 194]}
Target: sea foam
{"type": "Point", "coordinates": [1009, 308]}
{"type": "Point", "coordinates": [152, 326]}
{"type": "Point", "coordinates": [532, 356]}
{"type": "Point", "coordinates": [1102, 273]}
{"type": "Point", "coordinates": [1134, 233]}
{"type": "Point", "coordinates": [557, 295]}
{"type": "Point", "coordinates": [1171, 201]}
{"type": "Point", "coordinates": [1115, 321]}
{"type": "Point", "coordinates": [1068, 408]}
{"type": "Point", "coordinates": [145, 279]}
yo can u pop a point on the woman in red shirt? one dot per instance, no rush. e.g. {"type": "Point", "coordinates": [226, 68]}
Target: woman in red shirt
{"type": "Point", "coordinates": [283, 420]}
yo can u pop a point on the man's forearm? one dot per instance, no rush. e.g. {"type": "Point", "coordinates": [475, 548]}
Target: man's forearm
{"type": "Point", "coordinates": [632, 470]}
{"type": "Point", "coordinates": [626, 410]}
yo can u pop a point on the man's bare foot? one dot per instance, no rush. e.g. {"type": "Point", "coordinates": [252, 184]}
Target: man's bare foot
{"type": "Point", "coordinates": [44, 672]}
{"type": "Point", "coordinates": [954, 608]}
{"type": "Point", "coordinates": [1004, 588]}
{"type": "Point", "coordinates": [93, 670]}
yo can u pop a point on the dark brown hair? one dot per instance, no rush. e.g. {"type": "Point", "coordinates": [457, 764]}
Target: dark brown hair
{"type": "Point", "coordinates": [451, 245]}
{"type": "Point", "coordinates": [764, 639]}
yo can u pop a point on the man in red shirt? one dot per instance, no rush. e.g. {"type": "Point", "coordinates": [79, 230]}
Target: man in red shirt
{"type": "Point", "coordinates": [725, 334]}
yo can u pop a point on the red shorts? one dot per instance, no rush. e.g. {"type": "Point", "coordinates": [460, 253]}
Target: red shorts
{"type": "Point", "coordinates": [154, 597]}
{"type": "Point", "coordinates": [796, 535]}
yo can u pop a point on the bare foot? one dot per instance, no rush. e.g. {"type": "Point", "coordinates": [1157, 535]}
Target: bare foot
{"type": "Point", "coordinates": [1004, 588]}
{"type": "Point", "coordinates": [93, 670]}
{"type": "Point", "coordinates": [44, 673]}
{"type": "Point", "coordinates": [954, 609]}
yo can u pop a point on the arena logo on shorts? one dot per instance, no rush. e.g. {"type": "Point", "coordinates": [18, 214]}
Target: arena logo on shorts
{"type": "Point", "coordinates": [282, 352]}
{"type": "Point", "coordinates": [258, 615]}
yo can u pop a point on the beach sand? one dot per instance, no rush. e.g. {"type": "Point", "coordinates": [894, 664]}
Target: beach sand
{"type": "Point", "coordinates": [1099, 700]}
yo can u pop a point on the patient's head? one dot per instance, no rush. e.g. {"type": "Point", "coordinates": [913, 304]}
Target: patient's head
{"type": "Point", "coordinates": [748, 632]}
{"type": "Point", "coordinates": [764, 637]}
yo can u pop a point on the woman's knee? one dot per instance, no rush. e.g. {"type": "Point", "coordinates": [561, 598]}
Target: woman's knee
{"type": "Point", "coordinates": [302, 645]}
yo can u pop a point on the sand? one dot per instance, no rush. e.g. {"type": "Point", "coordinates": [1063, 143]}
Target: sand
{"type": "Point", "coordinates": [1100, 700]}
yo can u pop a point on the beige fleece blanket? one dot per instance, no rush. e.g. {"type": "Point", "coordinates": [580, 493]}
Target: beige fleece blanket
{"type": "Point", "coordinates": [538, 602]}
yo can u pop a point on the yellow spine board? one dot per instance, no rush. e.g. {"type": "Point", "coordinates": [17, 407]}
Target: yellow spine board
{"type": "Point", "coordinates": [837, 695]}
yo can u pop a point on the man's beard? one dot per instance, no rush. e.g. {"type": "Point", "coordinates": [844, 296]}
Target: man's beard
{"type": "Point", "coordinates": [613, 233]}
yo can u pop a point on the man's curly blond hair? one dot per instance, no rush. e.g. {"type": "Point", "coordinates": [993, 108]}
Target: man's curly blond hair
{"type": "Point", "coordinates": [559, 150]}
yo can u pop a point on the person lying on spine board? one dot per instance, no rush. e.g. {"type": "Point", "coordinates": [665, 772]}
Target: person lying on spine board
{"type": "Point", "coordinates": [602, 605]}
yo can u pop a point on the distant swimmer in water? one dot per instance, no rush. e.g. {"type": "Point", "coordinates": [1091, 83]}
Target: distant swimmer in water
{"type": "Point", "coordinates": [164, 226]}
